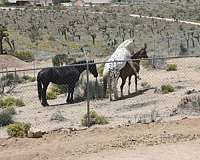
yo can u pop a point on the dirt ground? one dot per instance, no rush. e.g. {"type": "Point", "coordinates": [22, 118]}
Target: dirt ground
{"type": "Point", "coordinates": [127, 110]}
{"type": "Point", "coordinates": [167, 141]}
{"type": "Point", "coordinates": [178, 138]}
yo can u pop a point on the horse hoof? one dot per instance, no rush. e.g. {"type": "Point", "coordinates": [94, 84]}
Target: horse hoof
{"type": "Point", "coordinates": [70, 102]}
{"type": "Point", "coordinates": [45, 104]}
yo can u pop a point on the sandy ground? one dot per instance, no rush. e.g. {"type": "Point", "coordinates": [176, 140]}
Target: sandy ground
{"type": "Point", "coordinates": [167, 141]}
{"type": "Point", "coordinates": [125, 111]}
{"type": "Point", "coordinates": [8, 61]}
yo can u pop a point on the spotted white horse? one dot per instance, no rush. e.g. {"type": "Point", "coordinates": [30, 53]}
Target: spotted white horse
{"type": "Point", "coordinates": [116, 62]}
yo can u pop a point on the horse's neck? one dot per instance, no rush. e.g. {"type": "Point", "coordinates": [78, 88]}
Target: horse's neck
{"type": "Point", "coordinates": [136, 55]}
{"type": "Point", "coordinates": [81, 68]}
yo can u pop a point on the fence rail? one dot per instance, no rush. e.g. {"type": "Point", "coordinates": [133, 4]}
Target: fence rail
{"type": "Point", "coordinates": [97, 63]}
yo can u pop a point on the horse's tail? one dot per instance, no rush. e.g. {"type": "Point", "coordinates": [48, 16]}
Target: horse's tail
{"type": "Point", "coordinates": [39, 86]}
{"type": "Point", "coordinates": [105, 79]}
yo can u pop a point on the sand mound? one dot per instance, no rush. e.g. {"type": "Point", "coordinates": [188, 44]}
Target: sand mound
{"type": "Point", "coordinates": [11, 62]}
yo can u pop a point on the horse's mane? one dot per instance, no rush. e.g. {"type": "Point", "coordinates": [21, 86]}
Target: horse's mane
{"type": "Point", "coordinates": [83, 62]}
{"type": "Point", "coordinates": [80, 62]}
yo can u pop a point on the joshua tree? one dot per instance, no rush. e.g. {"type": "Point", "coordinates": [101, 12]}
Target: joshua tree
{"type": "Point", "coordinates": [93, 36]}
{"type": "Point", "coordinates": [3, 35]}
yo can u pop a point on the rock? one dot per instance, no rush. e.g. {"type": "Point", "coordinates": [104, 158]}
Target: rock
{"type": "Point", "coordinates": [191, 91]}
{"type": "Point", "coordinates": [35, 134]}
{"type": "Point", "coordinates": [174, 112]}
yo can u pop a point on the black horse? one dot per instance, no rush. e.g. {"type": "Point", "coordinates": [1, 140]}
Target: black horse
{"type": "Point", "coordinates": [68, 75]}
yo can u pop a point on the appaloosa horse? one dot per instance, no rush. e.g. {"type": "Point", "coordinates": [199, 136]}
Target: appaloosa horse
{"type": "Point", "coordinates": [63, 75]}
{"type": "Point", "coordinates": [130, 68]}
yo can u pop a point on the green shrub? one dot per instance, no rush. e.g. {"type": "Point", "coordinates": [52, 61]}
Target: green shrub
{"type": "Point", "coordinates": [11, 110]}
{"type": "Point", "coordinates": [11, 101]}
{"type": "Point", "coordinates": [59, 89]}
{"type": "Point", "coordinates": [1, 103]}
{"type": "Point", "coordinates": [26, 56]}
{"type": "Point", "coordinates": [95, 90]}
{"type": "Point", "coordinates": [51, 95]}
{"type": "Point", "coordinates": [100, 70]}
{"type": "Point", "coordinates": [145, 85]}
{"type": "Point", "coordinates": [5, 118]}
{"type": "Point", "coordinates": [171, 67]}
{"type": "Point", "coordinates": [18, 129]}
{"type": "Point", "coordinates": [28, 78]}
{"type": "Point", "coordinates": [190, 102]}
{"type": "Point", "coordinates": [167, 89]}
{"type": "Point", "coordinates": [10, 78]}
{"type": "Point", "coordinates": [20, 103]}
{"type": "Point", "coordinates": [94, 119]}
{"type": "Point", "coordinates": [59, 59]}
{"type": "Point", "coordinates": [57, 116]}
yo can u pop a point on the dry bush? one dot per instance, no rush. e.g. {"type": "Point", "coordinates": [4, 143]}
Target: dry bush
{"type": "Point", "coordinates": [171, 67]}
{"type": "Point", "coordinates": [94, 119]}
{"type": "Point", "coordinates": [167, 88]}
{"type": "Point", "coordinates": [18, 129]}
{"type": "Point", "coordinates": [5, 118]}
{"type": "Point", "coordinates": [11, 101]}
{"type": "Point", "coordinates": [190, 104]}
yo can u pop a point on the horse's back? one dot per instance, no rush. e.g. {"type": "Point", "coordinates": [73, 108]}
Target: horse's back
{"type": "Point", "coordinates": [59, 75]}
{"type": "Point", "coordinates": [120, 56]}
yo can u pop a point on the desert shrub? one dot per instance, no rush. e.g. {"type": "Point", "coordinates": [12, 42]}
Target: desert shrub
{"type": "Point", "coordinates": [100, 70]}
{"type": "Point", "coordinates": [28, 78]}
{"type": "Point", "coordinates": [57, 116]}
{"type": "Point", "coordinates": [190, 102]}
{"type": "Point", "coordinates": [5, 118]}
{"type": "Point", "coordinates": [145, 85]}
{"type": "Point", "coordinates": [51, 95]}
{"type": "Point", "coordinates": [19, 102]}
{"type": "Point", "coordinates": [95, 90]}
{"type": "Point", "coordinates": [10, 79]}
{"type": "Point", "coordinates": [167, 88]}
{"type": "Point", "coordinates": [11, 101]}
{"type": "Point", "coordinates": [59, 60]}
{"type": "Point", "coordinates": [1, 103]}
{"type": "Point", "coordinates": [11, 110]}
{"type": "Point", "coordinates": [26, 56]}
{"type": "Point", "coordinates": [59, 89]}
{"type": "Point", "coordinates": [18, 129]}
{"type": "Point", "coordinates": [56, 90]}
{"type": "Point", "coordinates": [183, 50]}
{"type": "Point", "coordinates": [171, 67]}
{"type": "Point", "coordinates": [94, 119]}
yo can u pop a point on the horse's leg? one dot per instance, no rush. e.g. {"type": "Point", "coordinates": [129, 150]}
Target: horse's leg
{"type": "Point", "coordinates": [115, 86]}
{"type": "Point", "coordinates": [129, 84]}
{"type": "Point", "coordinates": [136, 77]}
{"type": "Point", "coordinates": [68, 96]}
{"type": "Point", "coordinates": [72, 95]}
{"type": "Point", "coordinates": [44, 96]}
{"type": "Point", "coordinates": [122, 86]}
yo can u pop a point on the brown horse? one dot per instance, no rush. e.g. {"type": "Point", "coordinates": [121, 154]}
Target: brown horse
{"type": "Point", "coordinates": [127, 70]}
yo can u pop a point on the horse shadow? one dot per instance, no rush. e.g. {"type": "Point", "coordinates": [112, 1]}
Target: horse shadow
{"type": "Point", "coordinates": [139, 92]}
{"type": "Point", "coordinates": [82, 99]}
{"type": "Point", "coordinates": [77, 100]}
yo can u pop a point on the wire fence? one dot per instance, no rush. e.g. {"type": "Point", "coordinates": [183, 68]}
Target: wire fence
{"type": "Point", "coordinates": [156, 77]}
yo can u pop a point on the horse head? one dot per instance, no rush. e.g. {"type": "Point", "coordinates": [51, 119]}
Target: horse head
{"type": "Point", "coordinates": [142, 53]}
{"type": "Point", "coordinates": [93, 68]}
